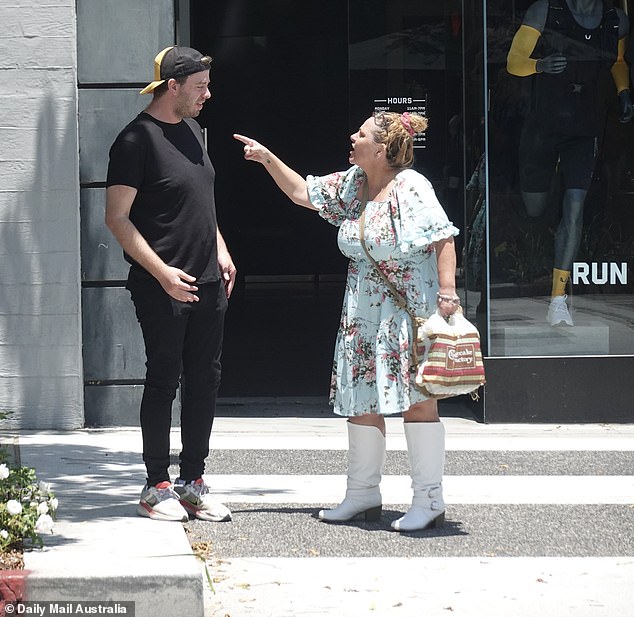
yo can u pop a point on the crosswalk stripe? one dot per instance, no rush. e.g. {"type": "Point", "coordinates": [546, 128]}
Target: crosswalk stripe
{"type": "Point", "coordinates": [330, 434]}
{"type": "Point", "coordinates": [318, 489]}
{"type": "Point", "coordinates": [515, 498]}
{"type": "Point", "coordinates": [401, 587]}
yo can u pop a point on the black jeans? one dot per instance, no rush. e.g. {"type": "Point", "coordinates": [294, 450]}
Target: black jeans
{"type": "Point", "coordinates": [183, 342]}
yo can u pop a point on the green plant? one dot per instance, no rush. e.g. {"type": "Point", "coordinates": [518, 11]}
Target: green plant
{"type": "Point", "coordinates": [27, 506]}
{"type": "Point", "coordinates": [530, 258]}
{"type": "Point", "coordinates": [525, 257]}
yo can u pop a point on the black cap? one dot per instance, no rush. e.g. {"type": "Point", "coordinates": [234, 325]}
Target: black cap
{"type": "Point", "coordinates": [176, 61]}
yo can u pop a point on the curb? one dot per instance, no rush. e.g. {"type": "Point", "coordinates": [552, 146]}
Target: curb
{"type": "Point", "coordinates": [151, 565]}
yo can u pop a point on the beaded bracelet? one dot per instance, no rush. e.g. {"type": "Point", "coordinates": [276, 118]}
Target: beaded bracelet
{"type": "Point", "coordinates": [453, 299]}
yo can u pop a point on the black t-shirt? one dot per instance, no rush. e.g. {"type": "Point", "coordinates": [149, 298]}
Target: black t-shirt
{"type": "Point", "coordinates": [568, 103]}
{"type": "Point", "coordinates": [174, 209]}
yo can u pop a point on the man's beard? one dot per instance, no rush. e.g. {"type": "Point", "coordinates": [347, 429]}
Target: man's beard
{"type": "Point", "coordinates": [187, 111]}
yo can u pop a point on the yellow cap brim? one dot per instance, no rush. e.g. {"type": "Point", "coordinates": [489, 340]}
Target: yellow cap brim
{"type": "Point", "coordinates": [157, 72]}
{"type": "Point", "coordinates": [151, 87]}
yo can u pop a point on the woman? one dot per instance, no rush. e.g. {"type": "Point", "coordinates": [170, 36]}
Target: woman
{"type": "Point", "coordinates": [408, 233]}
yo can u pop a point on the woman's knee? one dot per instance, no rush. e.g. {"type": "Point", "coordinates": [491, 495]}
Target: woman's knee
{"type": "Point", "coordinates": [369, 419]}
{"type": "Point", "coordinates": [426, 411]}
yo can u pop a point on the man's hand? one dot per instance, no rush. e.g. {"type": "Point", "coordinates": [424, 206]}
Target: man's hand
{"type": "Point", "coordinates": [227, 272]}
{"type": "Point", "coordinates": [225, 265]}
{"type": "Point", "coordinates": [178, 284]}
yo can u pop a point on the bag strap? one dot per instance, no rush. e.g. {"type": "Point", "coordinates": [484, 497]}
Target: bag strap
{"type": "Point", "coordinates": [398, 297]}
{"type": "Point", "coordinates": [401, 302]}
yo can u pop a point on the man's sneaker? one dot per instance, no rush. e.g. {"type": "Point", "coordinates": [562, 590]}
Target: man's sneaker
{"type": "Point", "coordinates": [195, 498]}
{"type": "Point", "coordinates": [161, 503]}
{"type": "Point", "coordinates": [558, 314]}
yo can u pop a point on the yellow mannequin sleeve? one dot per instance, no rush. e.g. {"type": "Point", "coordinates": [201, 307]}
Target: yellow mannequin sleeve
{"type": "Point", "coordinates": [518, 61]}
{"type": "Point", "coordinates": [620, 70]}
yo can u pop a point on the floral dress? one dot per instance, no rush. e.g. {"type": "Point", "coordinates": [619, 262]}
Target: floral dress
{"type": "Point", "coordinates": [371, 369]}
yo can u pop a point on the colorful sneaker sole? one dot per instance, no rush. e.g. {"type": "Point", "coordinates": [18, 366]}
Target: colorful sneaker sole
{"type": "Point", "coordinates": [145, 509]}
{"type": "Point", "coordinates": [203, 514]}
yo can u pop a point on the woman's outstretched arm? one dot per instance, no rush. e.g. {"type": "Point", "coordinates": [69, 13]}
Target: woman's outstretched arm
{"type": "Point", "coordinates": [289, 181]}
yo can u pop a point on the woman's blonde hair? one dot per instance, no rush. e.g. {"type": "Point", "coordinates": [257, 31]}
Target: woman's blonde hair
{"type": "Point", "coordinates": [397, 132]}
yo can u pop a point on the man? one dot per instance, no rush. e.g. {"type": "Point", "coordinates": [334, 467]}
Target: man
{"type": "Point", "coordinates": [160, 207]}
{"type": "Point", "coordinates": [566, 45]}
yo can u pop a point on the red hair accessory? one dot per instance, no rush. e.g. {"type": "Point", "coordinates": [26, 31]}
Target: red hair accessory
{"type": "Point", "coordinates": [405, 121]}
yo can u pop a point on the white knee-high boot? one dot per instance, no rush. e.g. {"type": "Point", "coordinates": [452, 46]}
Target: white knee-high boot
{"type": "Point", "coordinates": [366, 457]}
{"type": "Point", "coordinates": [426, 448]}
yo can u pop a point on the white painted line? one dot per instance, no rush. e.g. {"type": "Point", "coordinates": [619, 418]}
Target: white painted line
{"type": "Point", "coordinates": [276, 433]}
{"type": "Point", "coordinates": [400, 587]}
{"type": "Point", "coordinates": [461, 434]}
{"type": "Point", "coordinates": [326, 489]}
{"type": "Point", "coordinates": [283, 441]}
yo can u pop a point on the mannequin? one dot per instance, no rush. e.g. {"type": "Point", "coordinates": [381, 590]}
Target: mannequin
{"type": "Point", "coordinates": [566, 44]}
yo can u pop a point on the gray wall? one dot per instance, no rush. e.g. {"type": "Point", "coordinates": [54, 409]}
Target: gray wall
{"type": "Point", "coordinates": [40, 317]}
{"type": "Point", "coordinates": [117, 42]}
{"type": "Point", "coordinates": [70, 72]}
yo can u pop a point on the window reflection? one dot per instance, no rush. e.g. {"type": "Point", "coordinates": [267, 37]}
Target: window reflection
{"type": "Point", "coordinates": [560, 136]}
{"type": "Point", "coordinates": [407, 56]}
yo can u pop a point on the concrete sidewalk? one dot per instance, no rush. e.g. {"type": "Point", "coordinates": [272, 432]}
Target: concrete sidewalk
{"type": "Point", "coordinates": [102, 551]}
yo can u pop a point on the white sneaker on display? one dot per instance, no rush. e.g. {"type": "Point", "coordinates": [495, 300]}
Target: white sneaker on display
{"type": "Point", "coordinates": [558, 313]}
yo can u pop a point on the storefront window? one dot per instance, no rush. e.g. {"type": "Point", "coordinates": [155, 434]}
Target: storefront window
{"type": "Point", "coordinates": [560, 190]}
{"type": "Point", "coordinates": [407, 55]}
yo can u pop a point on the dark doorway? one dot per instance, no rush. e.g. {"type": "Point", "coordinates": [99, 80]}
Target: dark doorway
{"type": "Point", "coordinates": [280, 75]}
{"type": "Point", "coordinates": [300, 77]}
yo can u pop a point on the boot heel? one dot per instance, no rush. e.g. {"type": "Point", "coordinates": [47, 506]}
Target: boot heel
{"type": "Point", "coordinates": [372, 514]}
{"type": "Point", "coordinates": [439, 521]}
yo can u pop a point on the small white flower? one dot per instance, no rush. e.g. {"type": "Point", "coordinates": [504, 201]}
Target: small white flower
{"type": "Point", "coordinates": [33, 504]}
{"type": "Point", "coordinates": [44, 524]}
{"type": "Point", "coordinates": [4, 472]}
{"type": "Point", "coordinates": [45, 487]}
{"type": "Point", "coordinates": [53, 503]}
{"type": "Point", "coordinates": [4, 534]}
{"type": "Point", "coordinates": [42, 508]}
{"type": "Point", "coordinates": [14, 507]}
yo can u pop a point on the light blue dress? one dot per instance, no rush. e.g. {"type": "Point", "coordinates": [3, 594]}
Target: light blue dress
{"type": "Point", "coordinates": [371, 370]}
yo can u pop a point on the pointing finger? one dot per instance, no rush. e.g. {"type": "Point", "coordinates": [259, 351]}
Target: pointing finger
{"type": "Point", "coordinates": [243, 139]}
